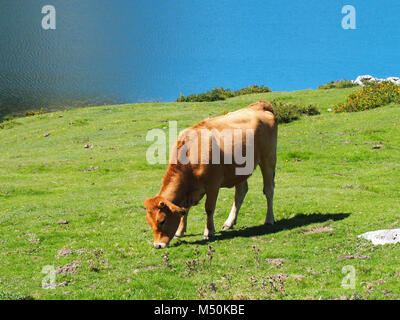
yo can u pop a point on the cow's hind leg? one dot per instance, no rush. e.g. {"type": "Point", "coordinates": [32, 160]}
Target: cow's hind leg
{"type": "Point", "coordinates": [211, 202]}
{"type": "Point", "coordinates": [268, 173]}
{"type": "Point", "coordinates": [240, 193]}
{"type": "Point", "coordinates": [182, 227]}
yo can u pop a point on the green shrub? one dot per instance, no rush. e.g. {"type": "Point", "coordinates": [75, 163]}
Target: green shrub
{"type": "Point", "coordinates": [252, 89]}
{"type": "Point", "coordinates": [34, 113]}
{"type": "Point", "coordinates": [286, 112]}
{"type": "Point", "coordinates": [338, 84]}
{"type": "Point", "coordinates": [8, 124]}
{"type": "Point", "coordinates": [371, 96]}
{"type": "Point", "coordinates": [222, 94]}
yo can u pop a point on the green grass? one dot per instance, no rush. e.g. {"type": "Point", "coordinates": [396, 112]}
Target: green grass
{"type": "Point", "coordinates": [328, 176]}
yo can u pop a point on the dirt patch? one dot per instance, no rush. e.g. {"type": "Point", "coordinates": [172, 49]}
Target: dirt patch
{"type": "Point", "coordinates": [91, 168]}
{"type": "Point", "coordinates": [32, 238]}
{"type": "Point", "coordinates": [62, 284]}
{"type": "Point", "coordinates": [298, 277]}
{"type": "Point", "coordinates": [318, 230]}
{"type": "Point", "coordinates": [354, 256]}
{"type": "Point", "coordinates": [277, 282]}
{"type": "Point", "coordinates": [277, 262]}
{"type": "Point", "coordinates": [64, 252]}
{"type": "Point", "coordinates": [34, 241]}
{"type": "Point", "coordinates": [69, 268]}
{"type": "Point", "coordinates": [311, 271]}
{"type": "Point", "coordinates": [81, 251]}
{"type": "Point", "coordinates": [348, 186]}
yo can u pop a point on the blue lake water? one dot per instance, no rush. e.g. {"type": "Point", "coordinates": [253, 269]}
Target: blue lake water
{"type": "Point", "coordinates": [124, 51]}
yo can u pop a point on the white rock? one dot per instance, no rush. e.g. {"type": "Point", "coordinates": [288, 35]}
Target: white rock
{"type": "Point", "coordinates": [368, 78]}
{"type": "Point", "coordinates": [382, 236]}
{"type": "Point", "coordinates": [395, 80]}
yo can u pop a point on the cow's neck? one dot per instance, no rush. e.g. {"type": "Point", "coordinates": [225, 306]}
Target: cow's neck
{"type": "Point", "coordinates": [176, 188]}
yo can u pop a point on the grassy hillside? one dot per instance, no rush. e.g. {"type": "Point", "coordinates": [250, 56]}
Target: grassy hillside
{"type": "Point", "coordinates": [81, 209]}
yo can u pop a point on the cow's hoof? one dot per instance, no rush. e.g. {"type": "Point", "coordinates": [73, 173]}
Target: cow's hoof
{"type": "Point", "coordinates": [226, 227]}
{"type": "Point", "coordinates": [269, 223]}
{"type": "Point", "coordinates": [177, 236]}
{"type": "Point", "coordinates": [209, 237]}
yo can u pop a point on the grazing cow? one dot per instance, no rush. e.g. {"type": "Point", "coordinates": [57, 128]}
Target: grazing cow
{"type": "Point", "coordinates": [210, 146]}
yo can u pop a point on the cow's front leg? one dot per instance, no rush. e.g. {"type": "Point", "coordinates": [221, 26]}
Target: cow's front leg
{"type": "Point", "coordinates": [182, 227]}
{"type": "Point", "coordinates": [211, 202]}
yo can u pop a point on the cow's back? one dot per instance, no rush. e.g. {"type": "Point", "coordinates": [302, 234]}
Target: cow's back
{"type": "Point", "coordinates": [258, 117]}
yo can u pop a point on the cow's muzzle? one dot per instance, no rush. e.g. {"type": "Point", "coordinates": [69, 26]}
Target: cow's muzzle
{"type": "Point", "coordinates": [159, 245]}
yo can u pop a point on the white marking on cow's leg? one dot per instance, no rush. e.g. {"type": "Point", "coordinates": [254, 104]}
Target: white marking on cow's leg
{"type": "Point", "coordinates": [268, 172]}
{"type": "Point", "coordinates": [240, 193]}
{"type": "Point", "coordinates": [182, 227]}
{"type": "Point", "coordinates": [210, 207]}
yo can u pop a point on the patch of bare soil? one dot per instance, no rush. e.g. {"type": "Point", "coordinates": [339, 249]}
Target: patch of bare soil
{"type": "Point", "coordinates": [318, 230]}
{"type": "Point", "coordinates": [91, 168]}
{"type": "Point", "coordinates": [298, 277]}
{"type": "Point", "coordinates": [277, 262]}
{"type": "Point", "coordinates": [69, 268]}
{"type": "Point", "coordinates": [354, 256]}
{"type": "Point", "coordinates": [277, 282]}
{"type": "Point", "coordinates": [64, 252]}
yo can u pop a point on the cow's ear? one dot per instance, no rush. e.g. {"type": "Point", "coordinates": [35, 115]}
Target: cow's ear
{"type": "Point", "coordinates": [165, 204]}
{"type": "Point", "coordinates": [162, 205]}
{"type": "Point", "coordinates": [147, 202]}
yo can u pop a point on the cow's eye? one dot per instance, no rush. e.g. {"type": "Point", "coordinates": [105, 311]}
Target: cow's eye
{"type": "Point", "coordinates": [162, 222]}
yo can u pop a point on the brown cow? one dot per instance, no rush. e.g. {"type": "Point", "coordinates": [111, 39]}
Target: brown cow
{"type": "Point", "coordinates": [210, 145]}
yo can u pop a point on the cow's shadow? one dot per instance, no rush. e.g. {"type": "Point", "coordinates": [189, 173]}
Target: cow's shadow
{"type": "Point", "coordinates": [300, 220]}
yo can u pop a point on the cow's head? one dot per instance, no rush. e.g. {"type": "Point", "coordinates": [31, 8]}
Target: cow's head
{"type": "Point", "coordinates": [164, 218]}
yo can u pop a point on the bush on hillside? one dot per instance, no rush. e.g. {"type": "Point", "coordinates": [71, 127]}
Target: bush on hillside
{"type": "Point", "coordinates": [371, 96]}
{"type": "Point", "coordinates": [252, 89]}
{"type": "Point", "coordinates": [222, 94]}
{"type": "Point", "coordinates": [338, 84]}
{"type": "Point", "coordinates": [286, 112]}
